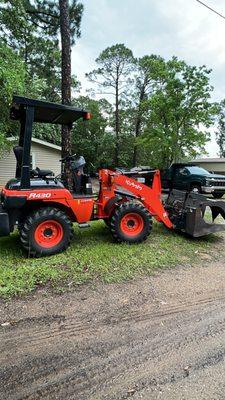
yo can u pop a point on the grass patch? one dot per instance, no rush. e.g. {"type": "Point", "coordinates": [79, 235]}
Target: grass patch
{"type": "Point", "coordinates": [94, 256]}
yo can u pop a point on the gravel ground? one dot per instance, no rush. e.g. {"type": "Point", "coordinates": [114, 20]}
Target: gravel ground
{"type": "Point", "coordinates": [161, 337]}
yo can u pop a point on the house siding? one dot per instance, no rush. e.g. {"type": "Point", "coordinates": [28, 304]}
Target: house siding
{"type": "Point", "coordinates": [7, 167]}
{"type": "Point", "coordinates": [43, 157]}
{"type": "Point", "coordinates": [46, 158]}
{"type": "Point", "coordinates": [216, 167]}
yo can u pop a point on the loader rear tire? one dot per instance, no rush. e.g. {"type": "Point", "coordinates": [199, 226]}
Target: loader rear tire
{"type": "Point", "coordinates": [131, 222]}
{"type": "Point", "coordinates": [46, 231]}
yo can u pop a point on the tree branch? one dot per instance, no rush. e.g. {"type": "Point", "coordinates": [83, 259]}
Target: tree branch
{"type": "Point", "coordinates": [43, 13]}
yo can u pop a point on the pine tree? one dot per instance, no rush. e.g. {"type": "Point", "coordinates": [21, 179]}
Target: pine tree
{"type": "Point", "coordinates": [115, 66]}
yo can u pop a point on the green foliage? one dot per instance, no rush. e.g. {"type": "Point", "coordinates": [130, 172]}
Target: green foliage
{"type": "Point", "coordinates": [39, 51]}
{"type": "Point", "coordinates": [162, 108]}
{"type": "Point", "coordinates": [32, 33]}
{"type": "Point", "coordinates": [92, 138]}
{"type": "Point", "coordinates": [220, 134]}
{"type": "Point", "coordinates": [113, 77]}
{"type": "Point", "coordinates": [45, 15]}
{"type": "Point", "coordinates": [148, 71]}
{"type": "Point", "coordinates": [32, 30]}
{"type": "Point", "coordinates": [12, 80]}
{"type": "Point", "coordinates": [179, 111]}
{"type": "Point", "coordinates": [114, 66]}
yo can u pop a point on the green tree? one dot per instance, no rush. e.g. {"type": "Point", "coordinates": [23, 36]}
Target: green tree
{"type": "Point", "coordinates": [113, 76]}
{"type": "Point", "coordinates": [39, 51]}
{"type": "Point", "coordinates": [46, 15]}
{"type": "Point", "coordinates": [32, 27]}
{"type": "Point", "coordinates": [179, 113]}
{"type": "Point", "coordinates": [93, 139]}
{"type": "Point", "coordinates": [220, 134]}
{"type": "Point", "coordinates": [12, 79]}
{"type": "Point", "coordinates": [149, 70]}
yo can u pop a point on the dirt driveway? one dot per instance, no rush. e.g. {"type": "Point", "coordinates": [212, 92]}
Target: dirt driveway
{"type": "Point", "coordinates": [161, 337]}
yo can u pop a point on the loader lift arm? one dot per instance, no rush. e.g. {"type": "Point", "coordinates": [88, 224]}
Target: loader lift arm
{"type": "Point", "coordinates": [182, 211]}
{"type": "Point", "coordinates": [150, 197]}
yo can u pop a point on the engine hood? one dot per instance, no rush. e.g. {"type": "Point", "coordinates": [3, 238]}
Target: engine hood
{"type": "Point", "coordinates": [215, 176]}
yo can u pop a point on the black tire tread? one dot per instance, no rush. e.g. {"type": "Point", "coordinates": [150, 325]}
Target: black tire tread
{"type": "Point", "coordinates": [135, 207]}
{"type": "Point", "coordinates": [32, 218]}
{"type": "Point", "coordinates": [196, 185]}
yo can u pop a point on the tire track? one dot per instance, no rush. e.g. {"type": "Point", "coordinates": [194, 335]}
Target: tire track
{"type": "Point", "coordinates": [67, 327]}
{"type": "Point", "coordinates": [141, 349]}
{"type": "Point", "coordinates": [116, 347]}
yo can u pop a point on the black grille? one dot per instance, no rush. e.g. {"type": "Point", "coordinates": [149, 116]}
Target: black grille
{"type": "Point", "coordinates": [219, 183]}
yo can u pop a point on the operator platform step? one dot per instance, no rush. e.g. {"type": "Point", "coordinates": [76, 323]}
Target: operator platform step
{"type": "Point", "coordinates": [84, 225]}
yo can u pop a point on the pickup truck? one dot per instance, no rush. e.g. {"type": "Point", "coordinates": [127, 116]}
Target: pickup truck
{"type": "Point", "coordinates": [187, 177]}
{"type": "Point", "coordinates": [190, 177]}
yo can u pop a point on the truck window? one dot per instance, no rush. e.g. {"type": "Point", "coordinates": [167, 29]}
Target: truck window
{"type": "Point", "coordinates": [183, 171]}
{"type": "Point", "coordinates": [198, 170]}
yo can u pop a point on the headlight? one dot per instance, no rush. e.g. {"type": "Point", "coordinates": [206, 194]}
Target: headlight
{"type": "Point", "coordinates": [209, 182]}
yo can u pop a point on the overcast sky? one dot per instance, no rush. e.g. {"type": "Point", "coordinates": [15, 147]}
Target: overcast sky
{"type": "Point", "coordinates": [166, 27]}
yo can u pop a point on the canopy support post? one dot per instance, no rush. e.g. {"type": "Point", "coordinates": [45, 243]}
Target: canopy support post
{"type": "Point", "coordinates": [25, 172]}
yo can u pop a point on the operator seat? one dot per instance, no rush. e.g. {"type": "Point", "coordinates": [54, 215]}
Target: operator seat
{"type": "Point", "coordinates": [37, 172]}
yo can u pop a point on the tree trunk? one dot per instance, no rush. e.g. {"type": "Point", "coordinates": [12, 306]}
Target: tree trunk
{"type": "Point", "coordinates": [137, 132]}
{"type": "Point", "coordinates": [66, 80]}
{"type": "Point", "coordinates": [117, 126]}
{"type": "Point", "coordinates": [25, 49]}
{"type": "Point", "coordinates": [138, 122]}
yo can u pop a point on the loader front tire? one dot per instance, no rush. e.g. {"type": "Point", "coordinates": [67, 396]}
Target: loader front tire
{"type": "Point", "coordinates": [46, 231]}
{"type": "Point", "coordinates": [131, 222]}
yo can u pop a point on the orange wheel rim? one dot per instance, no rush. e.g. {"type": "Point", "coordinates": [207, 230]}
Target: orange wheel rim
{"type": "Point", "coordinates": [132, 224]}
{"type": "Point", "coordinates": [48, 234]}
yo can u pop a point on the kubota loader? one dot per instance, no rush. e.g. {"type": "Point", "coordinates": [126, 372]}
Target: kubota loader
{"type": "Point", "coordinates": [43, 208]}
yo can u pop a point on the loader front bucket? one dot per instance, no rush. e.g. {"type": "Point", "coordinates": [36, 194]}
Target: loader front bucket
{"type": "Point", "coordinates": [190, 213]}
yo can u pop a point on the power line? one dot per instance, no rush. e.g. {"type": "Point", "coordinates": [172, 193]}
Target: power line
{"type": "Point", "coordinates": [211, 9]}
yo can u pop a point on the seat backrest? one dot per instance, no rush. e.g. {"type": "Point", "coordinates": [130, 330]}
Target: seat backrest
{"type": "Point", "coordinates": [18, 151]}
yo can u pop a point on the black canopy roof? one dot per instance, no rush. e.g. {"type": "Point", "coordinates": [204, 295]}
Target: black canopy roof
{"type": "Point", "coordinates": [47, 112]}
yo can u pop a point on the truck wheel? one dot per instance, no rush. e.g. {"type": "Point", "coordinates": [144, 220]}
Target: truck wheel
{"type": "Point", "coordinates": [131, 222]}
{"type": "Point", "coordinates": [217, 195]}
{"type": "Point", "coordinates": [195, 188]}
{"type": "Point", "coordinates": [46, 231]}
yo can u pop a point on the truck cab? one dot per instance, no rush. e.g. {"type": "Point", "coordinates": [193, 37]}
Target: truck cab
{"type": "Point", "coordinates": [190, 177]}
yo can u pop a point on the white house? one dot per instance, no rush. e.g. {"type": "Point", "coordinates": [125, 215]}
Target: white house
{"type": "Point", "coordinates": [44, 155]}
{"type": "Point", "coordinates": [216, 165]}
